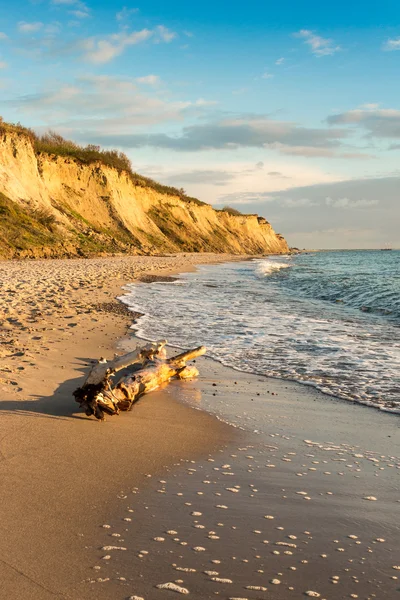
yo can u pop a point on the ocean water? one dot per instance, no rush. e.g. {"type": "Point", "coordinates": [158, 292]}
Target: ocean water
{"type": "Point", "coordinates": [326, 319]}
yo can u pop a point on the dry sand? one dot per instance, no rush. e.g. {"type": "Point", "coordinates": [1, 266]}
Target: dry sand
{"type": "Point", "coordinates": [60, 470]}
{"type": "Point", "coordinates": [307, 460]}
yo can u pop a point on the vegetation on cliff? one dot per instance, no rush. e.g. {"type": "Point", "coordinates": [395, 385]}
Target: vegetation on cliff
{"type": "Point", "coordinates": [58, 198]}
{"type": "Point", "coordinates": [54, 143]}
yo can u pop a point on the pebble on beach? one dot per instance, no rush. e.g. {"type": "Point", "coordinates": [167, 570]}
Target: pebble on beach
{"type": "Point", "coordinates": [173, 587]}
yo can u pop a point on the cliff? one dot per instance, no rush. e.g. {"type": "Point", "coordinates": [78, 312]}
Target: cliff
{"type": "Point", "coordinates": [54, 206]}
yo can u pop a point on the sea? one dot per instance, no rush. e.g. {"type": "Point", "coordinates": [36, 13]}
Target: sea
{"type": "Point", "coordinates": [328, 319]}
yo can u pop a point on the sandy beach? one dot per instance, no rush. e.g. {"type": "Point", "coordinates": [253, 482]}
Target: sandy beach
{"type": "Point", "coordinates": [304, 501]}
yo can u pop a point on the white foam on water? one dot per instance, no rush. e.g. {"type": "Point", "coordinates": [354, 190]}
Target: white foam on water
{"type": "Point", "coordinates": [271, 265]}
{"type": "Point", "coordinates": [250, 323]}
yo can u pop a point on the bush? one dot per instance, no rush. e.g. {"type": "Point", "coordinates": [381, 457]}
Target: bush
{"type": "Point", "coordinates": [54, 143]}
{"type": "Point", "coordinates": [45, 217]}
{"type": "Point", "coordinates": [16, 128]}
{"type": "Point", "coordinates": [232, 211]}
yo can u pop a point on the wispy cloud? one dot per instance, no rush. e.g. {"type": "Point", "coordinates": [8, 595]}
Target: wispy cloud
{"type": "Point", "coordinates": [247, 132]}
{"type": "Point", "coordinates": [164, 34]}
{"type": "Point", "coordinates": [202, 177]}
{"type": "Point", "coordinates": [349, 213]}
{"type": "Point", "coordinates": [100, 106]}
{"type": "Point", "coordinates": [350, 203]}
{"type": "Point", "coordinates": [124, 15]}
{"type": "Point", "coordinates": [266, 75]}
{"type": "Point", "coordinates": [25, 27]}
{"type": "Point", "coordinates": [319, 46]}
{"type": "Point", "coordinates": [3, 36]}
{"type": "Point", "coordinates": [100, 51]}
{"type": "Point", "coordinates": [378, 122]}
{"type": "Point", "coordinates": [149, 80]}
{"type": "Point", "coordinates": [392, 44]}
{"type": "Point", "coordinates": [280, 61]}
{"type": "Point", "coordinates": [79, 14]}
{"type": "Point", "coordinates": [316, 152]}
{"type": "Point", "coordinates": [78, 9]}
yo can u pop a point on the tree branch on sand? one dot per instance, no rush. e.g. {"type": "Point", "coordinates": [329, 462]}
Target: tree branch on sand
{"type": "Point", "coordinates": [147, 368]}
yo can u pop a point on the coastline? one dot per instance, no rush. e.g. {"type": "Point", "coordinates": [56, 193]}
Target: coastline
{"type": "Point", "coordinates": [64, 475]}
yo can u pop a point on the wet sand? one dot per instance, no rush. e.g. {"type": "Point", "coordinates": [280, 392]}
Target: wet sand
{"type": "Point", "coordinates": [305, 504]}
{"type": "Point", "coordinates": [75, 491]}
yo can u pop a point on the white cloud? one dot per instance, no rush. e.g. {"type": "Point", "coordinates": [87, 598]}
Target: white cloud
{"type": "Point", "coordinates": [356, 213]}
{"type": "Point", "coordinates": [3, 65]}
{"type": "Point", "coordinates": [80, 9]}
{"type": "Point", "coordinates": [280, 61]}
{"type": "Point", "coordinates": [300, 203]}
{"type": "Point", "coordinates": [319, 46]}
{"type": "Point", "coordinates": [99, 51]}
{"type": "Point", "coordinates": [79, 14]}
{"type": "Point", "coordinates": [316, 151]}
{"type": "Point", "coordinates": [379, 122]}
{"type": "Point", "coordinates": [149, 80]}
{"type": "Point", "coordinates": [238, 182]}
{"type": "Point", "coordinates": [306, 151]}
{"type": "Point", "coordinates": [392, 44]}
{"type": "Point", "coordinates": [3, 36]}
{"type": "Point", "coordinates": [124, 14]}
{"type": "Point", "coordinates": [96, 108]}
{"type": "Point", "coordinates": [350, 203]}
{"type": "Point", "coordinates": [203, 102]}
{"type": "Point", "coordinates": [165, 34]}
{"type": "Point", "coordinates": [102, 51]}
{"type": "Point", "coordinates": [266, 75]}
{"type": "Point", "coordinates": [370, 106]}
{"type": "Point", "coordinates": [25, 27]}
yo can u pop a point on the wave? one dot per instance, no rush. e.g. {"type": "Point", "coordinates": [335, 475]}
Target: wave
{"type": "Point", "coordinates": [269, 266]}
{"type": "Point", "coordinates": [375, 291]}
{"type": "Point", "coordinates": [263, 317]}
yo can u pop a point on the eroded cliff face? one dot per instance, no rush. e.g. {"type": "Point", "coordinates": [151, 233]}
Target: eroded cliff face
{"type": "Point", "coordinates": [56, 206]}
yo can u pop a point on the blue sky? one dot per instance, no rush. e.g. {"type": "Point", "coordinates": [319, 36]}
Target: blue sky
{"type": "Point", "coordinates": [291, 109]}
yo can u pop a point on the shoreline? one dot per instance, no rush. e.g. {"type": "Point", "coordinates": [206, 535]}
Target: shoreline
{"type": "Point", "coordinates": [64, 475]}
{"type": "Point", "coordinates": [137, 315]}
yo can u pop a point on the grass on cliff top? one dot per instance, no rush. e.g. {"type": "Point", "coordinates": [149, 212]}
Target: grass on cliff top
{"type": "Point", "coordinates": [54, 143]}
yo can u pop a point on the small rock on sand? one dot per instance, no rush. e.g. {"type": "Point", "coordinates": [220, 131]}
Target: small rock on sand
{"type": "Point", "coordinates": [173, 587]}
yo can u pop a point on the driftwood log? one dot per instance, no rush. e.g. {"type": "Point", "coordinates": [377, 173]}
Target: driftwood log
{"type": "Point", "coordinates": [147, 368]}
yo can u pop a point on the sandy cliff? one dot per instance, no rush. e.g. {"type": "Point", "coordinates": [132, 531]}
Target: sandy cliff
{"type": "Point", "coordinates": [56, 206]}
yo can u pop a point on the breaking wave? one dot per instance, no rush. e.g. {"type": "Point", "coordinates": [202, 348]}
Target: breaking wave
{"type": "Point", "coordinates": [309, 323]}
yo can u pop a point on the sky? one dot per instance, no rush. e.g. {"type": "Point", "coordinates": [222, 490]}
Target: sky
{"type": "Point", "coordinates": [287, 109]}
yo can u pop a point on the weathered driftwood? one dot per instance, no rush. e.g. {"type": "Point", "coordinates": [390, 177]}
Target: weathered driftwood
{"type": "Point", "coordinates": [103, 369]}
{"type": "Point", "coordinates": [98, 396]}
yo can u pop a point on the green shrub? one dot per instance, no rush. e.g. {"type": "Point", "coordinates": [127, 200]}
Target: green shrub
{"type": "Point", "coordinates": [45, 217]}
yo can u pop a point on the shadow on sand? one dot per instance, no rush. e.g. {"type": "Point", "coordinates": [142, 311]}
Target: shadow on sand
{"type": "Point", "coordinates": [59, 405]}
